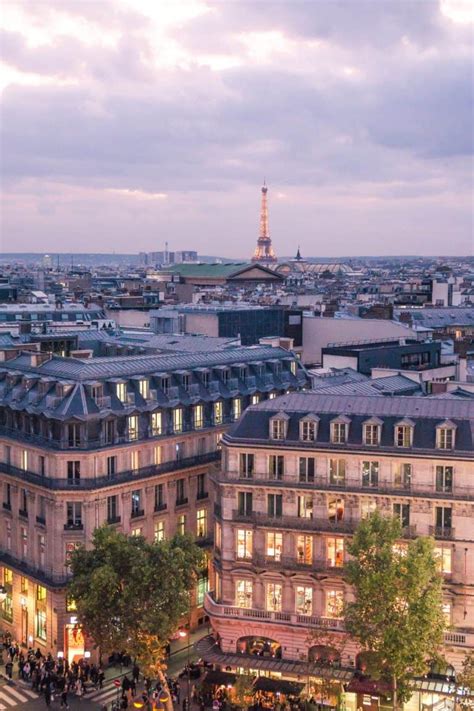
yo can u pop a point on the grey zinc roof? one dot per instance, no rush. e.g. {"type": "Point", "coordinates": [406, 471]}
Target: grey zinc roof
{"type": "Point", "coordinates": [126, 366]}
{"type": "Point", "coordinates": [441, 317]}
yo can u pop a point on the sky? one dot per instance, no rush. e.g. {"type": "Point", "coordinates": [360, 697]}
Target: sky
{"type": "Point", "coordinates": [129, 123]}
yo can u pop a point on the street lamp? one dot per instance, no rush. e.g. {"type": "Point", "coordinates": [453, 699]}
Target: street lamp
{"type": "Point", "coordinates": [183, 634]}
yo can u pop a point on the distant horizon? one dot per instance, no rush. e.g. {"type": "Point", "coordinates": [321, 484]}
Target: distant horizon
{"type": "Point", "coordinates": [5, 255]}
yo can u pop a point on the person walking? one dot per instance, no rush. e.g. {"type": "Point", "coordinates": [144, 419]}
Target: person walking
{"type": "Point", "coordinates": [64, 702]}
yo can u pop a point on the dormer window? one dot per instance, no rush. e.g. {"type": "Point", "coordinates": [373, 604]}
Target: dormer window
{"type": "Point", "coordinates": [156, 424]}
{"type": "Point", "coordinates": [225, 375]}
{"type": "Point", "coordinates": [279, 426]}
{"type": "Point", "coordinates": [165, 384]}
{"type": "Point", "coordinates": [372, 431]}
{"type": "Point", "coordinates": [404, 433]}
{"type": "Point", "coordinates": [242, 372]}
{"type": "Point", "coordinates": [340, 430]}
{"type": "Point", "coordinates": [293, 367]}
{"type": "Point", "coordinates": [445, 435]}
{"type": "Point", "coordinates": [185, 381]}
{"type": "Point", "coordinates": [309, 428]}
{"type": "Point", "coordinates": [121, 391]}
{"type": "Point", "coordinates": [144, 388]}
{"type": "Point", "coordinates": [205, 378]}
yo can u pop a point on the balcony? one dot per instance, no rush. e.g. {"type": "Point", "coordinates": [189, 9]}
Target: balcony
{"type": "Point", "coordinates": [443, 532]}
{"type": "Point", "coordinates": [137, 513]}
{"type": "Point", "coordinates": [160, 507]}
{"type": "Point", "coordinates": [459, 638]}
{"type": "Point", "coordinates": [111, 520]}
{"type": "Point", "coordinates": [183, 501]}
{"type": "Point", "coordinates": [74, 526]}
{"type": "Point", "coordinates": [305, 524]}
{"type": "Point", "coordinates": [45, 575]}
{"type": "Point", "coordinates": [293, 563]}
{"type": "Point", "coordinates": [90, 484]}
{"type": "Point", "coordinates": [215, 609]}
{"type": "Point", "coordinates": [202, 495]}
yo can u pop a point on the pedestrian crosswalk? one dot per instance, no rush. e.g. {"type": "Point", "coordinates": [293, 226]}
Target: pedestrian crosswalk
{"type": "Point", "coordinates": [106, 695]}
{"type": "Point", "coordinates": [15, 695]}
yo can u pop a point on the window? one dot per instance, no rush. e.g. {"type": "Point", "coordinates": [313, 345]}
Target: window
{"type": "Point", "coordinates": [132, 427]}
{"type": "Point", "coordinates": [443, 518]}
{"type": "Point", "coordinates": [293, 365]}
{"type": "Point", "coordinates": [201, 523]}
{"type": "Point", "coordinates": [136, 500]}
{"type": "Point", "coordinates": [24, 541]}
{"type": "Point", "coordinates": [337, 472]}
{"type": "Point", "coordinates": [165, 385]}
{"type": "Point", "coordinates": [41, 550]}
{"type": "Point", "coordinates": [243, 594]}
{"type": "Point", "coordinates": [156, 456]}
{"type": "Point", "coordinates": [443, 556]}
{"type": "Point", "coordinates": [74, 435]}
{"type": "Point", "coordinates": [335, 510]}
{"type": "Point", "coordinates": [335, 552]}
{"type": "Point", "coordinates": [304, 600]}
{"type": "Point", "coordinates": [137, 531]}
{"type": "Point", "coordinates": [225, 375]}
{"type": "Point", "coordinates": [111, 466]}
{"type": "Point", "coordinates": [159, 497]}
{"type": "Point", "coordinates": [180, 492]}
{"type": "Point", "coordinates": [7, 496]}
{"type": "Point", "coordinates": [201, 489]}
{"type": "Point", "coordinates": [402, 512]}
{"type": "Point", "coordinates": [41, 625]}
{"type": "Point", "coordinates": [371, 435]}
{"type": "Point", "coordinates": [144, 389]}
{"type": "Point", "coordinates": [41, 465]}
{"type": "Point", "coordinates": [218, 413]}
{"type": "Point", "coordinates": [121, 391]}
{"type": "Point", "coordinates": [367, 508]}
{"type": "Point", "coordinates": [304, 549]}
{"type": "Point", "coordinates": [402, 475]}
{"type": "Point", "coordinates": [274, 545]}
{"type": "Point", "coordinates": [202, 587]}
{"type": "Point", "coordinates": [181, 525]}
{"type": "Point", "coordinates": [24, 585]}
{"type": "Point", "coordinates": [205, 378]}
{"type": "Point", "coordinates": [244, 543]}
{"type": "Point", "coordinates": [274, 597]}
{"type": "Point", "coordinates": [8, 534]}
{"type": "Point", "coordinates": [24, 460]}
{"type": "Point", "coordinates": [109, 428]}
{"type": "Point", "coordinates": [41, 508]}
{"type": "Point", "coordinates": [277, 428]}
{"type": "Point", "coordinates": [247, 465]}
{"type": "Point", "coordinates": [255, 399]}
{"type": "Point", "coordinates": [445, 437]}
{"type": "Point", "coordinates": [198, 415]}
{"type": "Point", "coordinates": [74, 473]}
{"type": "Point", "coordinates": [245, 504]}
{"type": "Point", "coordinates": [271, 396]}
{"type": "Point", "coordinates": [217, 534]}
{"type": "Point", "coordinates": [339, 432]}
{"type": "Point", "coordinates": [334, 603]}
{"type": "Point", "coordinates": [156, 424]}
{"type": "Point", "coordinates": [159, 533]}
{"type": "Point", "coordinates": [24, 502]}
{"type": "Point", "coordinates": [308, 429]}
{"type": "Point", "coordinates": [275, 505]}
{"type": "Point", "coordinates": [444, 479]}
{"type": "Point", "coordinates": [74, 514]}
{"type": "Point", "coordinates": [305, 506]}
{"type": "Point", "coordinates": [71, 546]}
{"type": "Point", "coordinates": [40, 593]}
{"type": "Point", "coordinates": [276, 466]}
{"type": "Point", "coordinates": [403, 435]}
{"type": "Point", "coordinates": [178, 419]}
{"type": "Point", "coordinates": [370, 474]}
{"type": "Point", "coordinates": [236, 408]}
{"type": "Point", "coordinates": [112, 508]}
{"type": "Point", "coordinates": [306, 469]}
{"type": "Point", "coordinates": [134, 460]}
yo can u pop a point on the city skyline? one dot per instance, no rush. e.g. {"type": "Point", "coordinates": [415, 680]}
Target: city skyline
{"type": "Point", "coordinates": [157, 122]}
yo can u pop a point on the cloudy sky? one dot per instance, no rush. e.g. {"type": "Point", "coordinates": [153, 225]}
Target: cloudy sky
{"type": "Point", "coordinates": [127, 123]}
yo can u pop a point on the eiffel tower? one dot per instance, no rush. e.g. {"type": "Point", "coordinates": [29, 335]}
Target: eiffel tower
{"type": "Point", "coordinates": [264, 253]}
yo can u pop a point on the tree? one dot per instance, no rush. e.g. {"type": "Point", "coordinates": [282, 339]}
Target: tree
{"type": "Point", "coordinates": [397, 613]}
{"type": "Point", "coordinates": [243, 690]}
{"type": "Point", "coordinates": [465, 683]}
{"type": "Point", "coordinates": [132, 595]}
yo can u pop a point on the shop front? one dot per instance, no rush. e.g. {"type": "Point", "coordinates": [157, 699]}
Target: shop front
{"type": "Point", "coordinates": [74, 643]}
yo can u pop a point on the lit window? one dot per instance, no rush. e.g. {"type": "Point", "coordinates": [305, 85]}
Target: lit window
{"type": "Point", "coordinates": [305, 506]}
{"type": "Point", "coordinates": [244, 543]}
{"type": "Point", "coordinates": [334, 603]}
{"type": "Point", "coordinates": [132, 427]}
{"type": "Point", "coordinates": [41, 625]}
{"type": "Point", "coordinates": [236, 408]}
{"type": "Point", "coordinates": [134, 459]}
{"type": "Point", "coordinates": [24, 459]}
{"type": "Point", "coordinates": [304, 600]}
{"type": "Point", "coordinates": [339, 432]}
{"type": "Point", "coordinates": [7, 576]}
{"type": "Point", "coordinates": [202, 587]}
{"type": "Point", "coordinates": [274, 597]}
{"type": "Point", "coordinates": [121, 391]}
{"type": "Point", "coordinates": [403, 435]}
{"type": "Point", "coordinates": [243, 593]}
{"type": "Point", "coordinates": [198, 417]}
{"type": "Point", "coordinates": [255, 399]}
{"type": "Point", "coordinates": [274, 545]}
{"type": "Point", "coordinates": [443, 557]}
{"type": "Point", "coordinates": [335, 552]}
{"type": "Point", "coordinates": [217, 534]}
{"type": "Point", "coordinates": [272, 396]}
{"type": "Point", "coordinates": [293, 367]}
{"type": "Point", "coordinates": [181, 525]}
{"type": "Point", "coordinates": [218, 413]}
{"type": "Point", "coordinates": [304, 549]}
{"type": "Point", "coordinates": [136, 532]}
{"type": "Point", "coordinates": [370, 474]}
{"type": "Point", "coordinates": [156, 424]}
{"type": "Point", "coordinates": [159, 531]}
{"type": "Point", "coordinates": [137, 502]}
{"type": "Point", "coordinates": [371, 435]}
{"type": "Point", "coordinates": [201, 523]}
{"type": "Point", "coordinates": [40, 593]}
{"type": "Point", "coordinates": [156, 455]}
{"type": "Point", "coordinates": [445, 437]}
{"type": "Point", "coordinates": [402, 475]}
{"type": "Point", "coordinates": [178, 420]}
{"type": "Point", "coordinates": [144, 389]}
{"type": "Point", "coordinates": [367, 508]}
{"type": "Point", "coordinates": [335, 509]}
{"type": "Point", "coordinates": [337, 472]}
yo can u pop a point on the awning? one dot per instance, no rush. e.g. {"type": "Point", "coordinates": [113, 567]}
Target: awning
{"type": "Point", "coordinates": [289, 688]}
{"type": "Point", "coordinates": [219, 678]}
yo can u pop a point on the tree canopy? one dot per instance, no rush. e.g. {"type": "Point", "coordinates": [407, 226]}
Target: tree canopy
{"type": "Point", "coordinates": [397, 612]}
{"type": "Point", "coordinates": [131, 594]}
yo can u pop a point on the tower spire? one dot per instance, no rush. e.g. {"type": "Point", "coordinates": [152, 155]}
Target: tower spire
{"type": "Point", "coordinates": [264, 253]}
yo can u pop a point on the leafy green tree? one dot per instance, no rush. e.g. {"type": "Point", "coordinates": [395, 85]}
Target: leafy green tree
{"type": "Point", "coordinates": [243, 690]}
{"type": "Point", "coordinates": [465, 683]}
{"type": "Point", "coordinates": [132, 595]}
{"type": "Point", "coordinates": [397, 612]}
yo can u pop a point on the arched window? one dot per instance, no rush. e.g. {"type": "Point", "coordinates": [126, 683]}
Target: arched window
{"type": "Point", "coordinates": [259, 647]}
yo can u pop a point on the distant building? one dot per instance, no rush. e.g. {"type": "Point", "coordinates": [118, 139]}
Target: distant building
{"type": "Point", "coordinates": [264, 252]}
{"type": "Point", "coordinates": [217, 275]}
